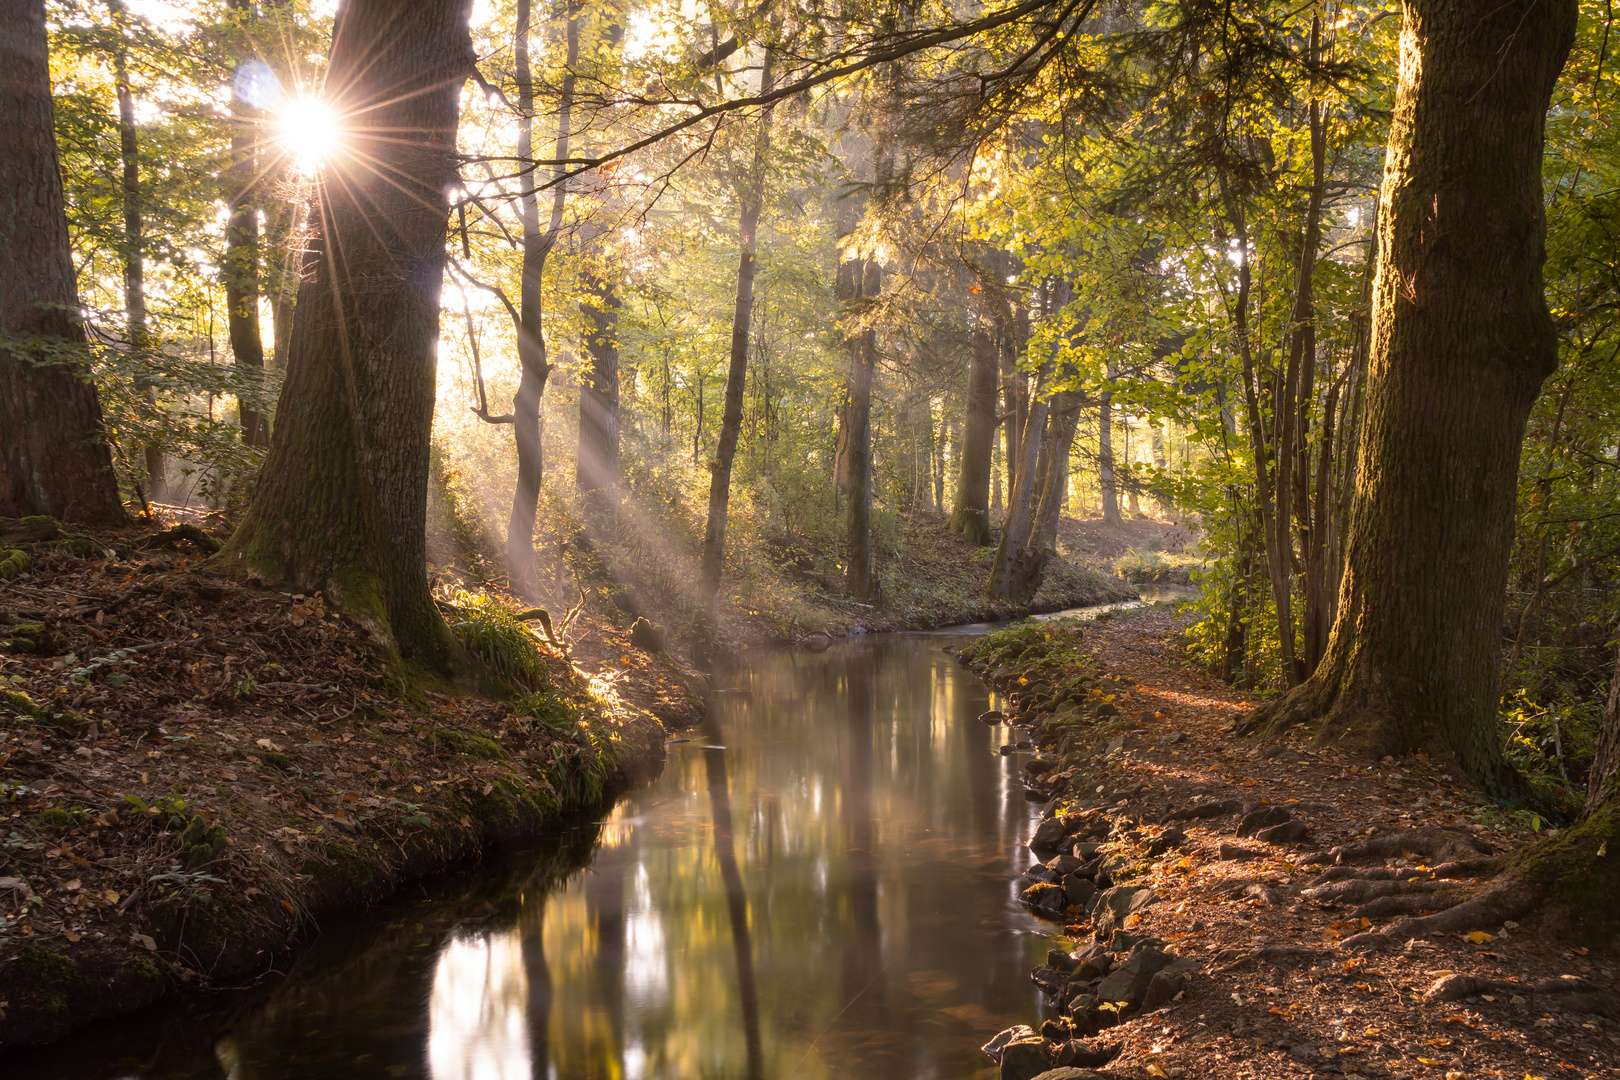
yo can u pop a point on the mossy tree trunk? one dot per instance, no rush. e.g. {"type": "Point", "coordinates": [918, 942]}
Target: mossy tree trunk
{"type": "Point", "coordinates": [1462, 340]}
{"type": "Point", "coordinates": [341, 503]}
{"type": "Point", "coordinates": [53, 457]}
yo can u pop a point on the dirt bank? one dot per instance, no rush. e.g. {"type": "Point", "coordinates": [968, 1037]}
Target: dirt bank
{"type": "Point", "coordinates": [192, 770]}
{"type": "Point", "coordinates": [1207, 892]}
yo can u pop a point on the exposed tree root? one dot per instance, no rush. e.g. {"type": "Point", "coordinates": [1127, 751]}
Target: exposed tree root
{"type": "Point", "coordinates": [1387, 907]}
{"type": "Point", "coordinates": [1442, 844]}
{"type": "Point", "coordinates": [1361, 890]}
{"type": "Point", "coordinates": [1508, 900]}
{"type": "Point", "coordinates": [1462, 869]}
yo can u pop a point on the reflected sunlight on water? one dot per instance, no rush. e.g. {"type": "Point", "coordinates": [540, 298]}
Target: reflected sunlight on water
{"type": "Point", "coordinates": [478, 1024]}
{"type": "Point", "coordinates": [818, 887]}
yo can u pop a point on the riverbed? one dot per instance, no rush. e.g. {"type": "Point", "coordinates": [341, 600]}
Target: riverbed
{"type": "Point", "coordinates": [819, 885]}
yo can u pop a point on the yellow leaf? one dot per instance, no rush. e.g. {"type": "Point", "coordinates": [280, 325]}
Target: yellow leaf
{"type": "Point", "coordinates": [1479, 937]}
{"type": "Point", "coordinates": [1153, 1069]}
{"type": "Point", "coordinates": [1428, 1061]}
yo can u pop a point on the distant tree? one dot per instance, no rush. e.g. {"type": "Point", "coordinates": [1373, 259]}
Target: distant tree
{"type": "Point", "coordinates": [53, 457]}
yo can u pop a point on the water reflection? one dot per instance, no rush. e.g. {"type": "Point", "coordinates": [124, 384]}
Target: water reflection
{"type": "Point", "coordinates": [817, 887]}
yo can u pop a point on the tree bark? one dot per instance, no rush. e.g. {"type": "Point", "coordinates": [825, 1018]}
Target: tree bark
{"type": "Point", "coordinates": [1015, 534]}
{"type": "Point", "coordinates": [133, 253]}
{"type": "Point", "coordinates": [341, 502]}
{"type": "Point", "coordinates": [1603, 781]}
{"type": "Point", "coordinates": [1462, 341]}
{"type": "Point", "coordinates": [53, 457]}
{"type": "Point", "coordinates": [242, 253]}
{"type": "Point", "coordinates": [970, 517]}
{"type": "Point", "coordinates": [526, 422]}
{"type": "Point", "coordinates": [1105, 458]}
{"type": "Point", "coordinates": [866, 281]}
{"type": "Point", "coordinates": [752, 200]}
{"type": "Point", "coordinates": [596, 465]}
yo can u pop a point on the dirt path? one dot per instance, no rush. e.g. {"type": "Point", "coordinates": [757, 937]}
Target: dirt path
{"type": "Point", "coordinates": [1277, 993]}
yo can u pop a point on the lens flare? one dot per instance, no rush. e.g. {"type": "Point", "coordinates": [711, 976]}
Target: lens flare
{"type": "Point", "coordinates": [308, 130]}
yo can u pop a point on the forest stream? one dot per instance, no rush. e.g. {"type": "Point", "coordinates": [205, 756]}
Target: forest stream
{"type": "Point", "coordinates": [819, 884]}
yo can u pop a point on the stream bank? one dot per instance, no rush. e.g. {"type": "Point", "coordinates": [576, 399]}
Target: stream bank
{"type": "Point", "coordinates": [194, 771]}
{"type": "Point", "coordinates": [1205, 887]}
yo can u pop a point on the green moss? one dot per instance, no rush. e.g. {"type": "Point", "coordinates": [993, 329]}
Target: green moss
{"type": "Point", "coordinates": [1578, 884]}
{"type": "Point", "coordinates": [64, 819]}
{"type": "Point", "coordinates": [461, 742]}
{"type": "Point", "coordinates": [201, 843]}
{"type": "Point", "coordinates": [12, 563]}
{"type": "Point", "coordinates": [46, 976]}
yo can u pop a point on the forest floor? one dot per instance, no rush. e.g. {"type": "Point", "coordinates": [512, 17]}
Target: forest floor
{"type": "Point", "coordinates": [1156, 797]}
{"type": "Point", "coordinates": [191, 769]}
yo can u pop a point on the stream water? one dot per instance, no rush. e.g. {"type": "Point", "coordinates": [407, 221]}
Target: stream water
{"type": "Point", "coordinates": [818, 885]}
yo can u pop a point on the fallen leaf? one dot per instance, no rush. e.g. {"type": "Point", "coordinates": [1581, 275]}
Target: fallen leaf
{"type": "Point", "coordinates": [73, 886]}
{"type": "Point", "coordinates": [70, 935]}
{"type": "Point", "coordinates": [144, 941]}
{"type": "Point", "coordinates": [227, 776]}
{"type": "Point", "coordinates": [111, 895]}
{"type": "Point", "coordinates": [1153, 1069]}
{"type": "Point", "coordinates": [1479, 937]}
{"type": "Point", "coordinates": [1428, 1061]}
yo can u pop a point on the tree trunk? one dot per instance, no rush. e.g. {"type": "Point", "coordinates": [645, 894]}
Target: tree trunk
{"type": "Point", "coordinates": [242, 254]}
{"type": "Point", "coordinates": [752, 200]}
{"type": "Point", "coordinates": [1015, 534]}
{"type": "Point", "coordinates": [53, 457]}
{"type": "Point", "coordinates": [1105, 458]}
{"type": "Point", "coordinates": [1603, 781]}
{"type": "Point", "coordinates": [1027, 567]}
{"type": "Point", "coordinates": [134, 255]}
{"type": "Point", "coordinates": [531, 341]}
{"type": "Point", "coordinates": [970, 517]}
{"type": "Point", "coordinates": [341, 502]}
{"type": "Point", "coordinates": [866, 282]}
{"type": "Point", "coordinates": [596, 464]}
{"type": "Point", "coordinates": [1461, 343]}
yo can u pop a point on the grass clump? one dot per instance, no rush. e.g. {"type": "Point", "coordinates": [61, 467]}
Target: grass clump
{"type": "Point", "coordinates": [493, 632]}
{"type": "Point", "coordinates": [1155, 568]}
{"type": "Point", "coordinates": [548, 707]}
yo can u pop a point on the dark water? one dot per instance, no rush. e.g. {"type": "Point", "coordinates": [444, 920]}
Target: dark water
{"type": "Point", "coordinates": [819, 885]}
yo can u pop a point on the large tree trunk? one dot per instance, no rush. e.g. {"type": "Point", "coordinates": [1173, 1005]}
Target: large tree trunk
{"type": "Point", "coordinates": [526, 423]}
{"type": "Point", "coordinates": [752, 200]}
{"type": "Point", "coordinates": [53, 458]}
{"type": "Point", "coordinates": [1461, 343]}
{"type": "Point", "coordinates": [596, 464]}
{"type": "Point", "coordinates": [341, 502]}
{"type": "Point", "coordinates": [971, 515]}
{"type": "Point", "coordinates": [242, 254]}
